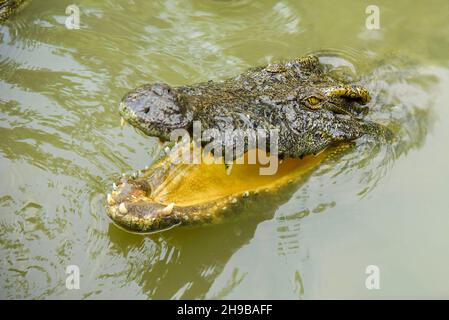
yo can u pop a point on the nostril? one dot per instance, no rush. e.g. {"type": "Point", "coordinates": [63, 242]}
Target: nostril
{"type": "Point", "coordinates": [146, 110]}
{"type": "Point", "coordinates": [161, 89]}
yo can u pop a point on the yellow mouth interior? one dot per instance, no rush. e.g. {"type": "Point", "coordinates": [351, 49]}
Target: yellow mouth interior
{"type": "Point", "coordinates": [193, 184]}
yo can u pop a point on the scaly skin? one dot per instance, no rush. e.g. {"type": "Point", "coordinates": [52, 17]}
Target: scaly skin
{"type": "Point", "coordinates": [8, 7]}
{"type": "Point", "coordinates": [311, 109]}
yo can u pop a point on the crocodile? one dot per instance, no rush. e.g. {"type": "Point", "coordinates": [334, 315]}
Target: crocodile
{"type": "Point", "coordinates": [316, 113]}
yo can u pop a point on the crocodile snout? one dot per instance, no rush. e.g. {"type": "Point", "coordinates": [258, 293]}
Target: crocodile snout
{"type": "Point", "coordinates": [155, 109]}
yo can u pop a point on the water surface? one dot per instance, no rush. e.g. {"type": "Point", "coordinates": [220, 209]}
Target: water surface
{"type": "Point", "coordinates": [61, 147]}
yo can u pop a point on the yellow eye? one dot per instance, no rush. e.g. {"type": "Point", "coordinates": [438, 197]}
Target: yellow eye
{"type": "Point", "coordinates": [313, 101]}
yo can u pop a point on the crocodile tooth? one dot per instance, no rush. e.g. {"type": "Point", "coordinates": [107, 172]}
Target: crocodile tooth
{"type": "Point", "coordinates": [110, 200]}
{"type": "Point", "coordinates": [114, 186]}
{"type": "Point", "coordinates": [122, 208]}
{"type": "Point", "coordinates": [228, 169]}
{"type": "Point", "coordinates": [122, 121]}
{"type": "Point", "coordinates": [168, 209]}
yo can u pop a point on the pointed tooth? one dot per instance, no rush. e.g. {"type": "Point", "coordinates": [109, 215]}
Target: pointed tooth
{"type": "Point", "coordinates": [114, 186]}
{"type": "Point", "coordinates": [110, 200]}
{"type": "Point", "coordinates": [122, 208]}
{"type": "Point", "coordinates": [122, 122]}
{"type": "Point", "coordinates": [168, 209]}
{"type": "Point", "coordinates": [229, 169]}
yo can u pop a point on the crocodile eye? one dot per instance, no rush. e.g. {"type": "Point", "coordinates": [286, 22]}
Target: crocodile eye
{"type": "Point", "coordinates": [313, 102]}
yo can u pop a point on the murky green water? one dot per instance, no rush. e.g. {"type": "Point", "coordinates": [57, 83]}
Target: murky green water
{"type": "Point", "coordinates": [61, 147]}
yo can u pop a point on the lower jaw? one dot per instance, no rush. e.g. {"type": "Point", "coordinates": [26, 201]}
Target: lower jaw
{"type": "Point", "coordinates": [198, 201]}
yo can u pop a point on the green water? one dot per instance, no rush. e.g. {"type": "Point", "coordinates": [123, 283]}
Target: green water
{"type": "Point", "coordinates": [61, 147]}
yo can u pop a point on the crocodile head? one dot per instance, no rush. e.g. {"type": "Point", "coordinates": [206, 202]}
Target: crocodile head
{"type": "Point", "coordinates": [313, 108]}
{"type": "Point", "coordinates": [156, 109]}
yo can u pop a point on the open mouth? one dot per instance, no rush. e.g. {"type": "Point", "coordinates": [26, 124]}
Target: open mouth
{"type": "Point", "coordinates": [167, 195]}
